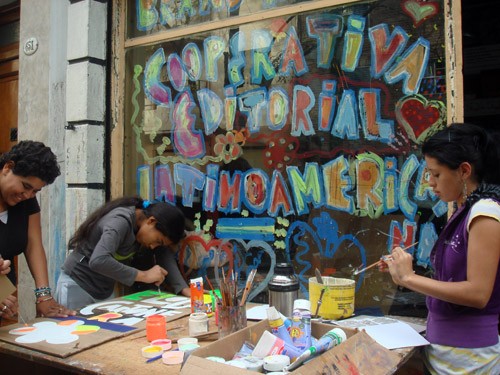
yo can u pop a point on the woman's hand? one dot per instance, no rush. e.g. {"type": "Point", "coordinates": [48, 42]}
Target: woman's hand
{"type": "Point", "coordinates": [48, 307]}
{"type": "Point", "coordinates": [155, 275]}
{"type": "Point", "coordinates": [4, 266]}
{"type": "Point", "coordinates": [9, 307]}
{"type": "Point", "coordinates": [400, 265]}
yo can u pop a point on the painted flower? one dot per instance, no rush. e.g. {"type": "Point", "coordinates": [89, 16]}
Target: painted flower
{"type": "Point", "coordinates": [226, 147]}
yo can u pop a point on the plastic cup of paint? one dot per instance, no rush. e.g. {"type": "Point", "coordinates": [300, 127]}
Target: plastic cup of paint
{"type": "Point", "coordinates": [151, 351]}
{"type": "Point", "coordinates": [165, 344]}
{"type": "Point", "coordinates": [182, 342]}
{"type": "Point", "coordinates": [156, 327]}
{"type": "Point", "coordinates": [189, 348]}
{"type": "Point", "coordinates": [173, 358]}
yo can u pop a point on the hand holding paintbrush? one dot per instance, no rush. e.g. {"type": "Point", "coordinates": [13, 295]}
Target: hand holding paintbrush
{"type": "Point", "coordinates": [380, 261]}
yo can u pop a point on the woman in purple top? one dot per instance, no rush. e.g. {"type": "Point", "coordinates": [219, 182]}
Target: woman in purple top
{"type": "Point", "coordinates": [463, 296]}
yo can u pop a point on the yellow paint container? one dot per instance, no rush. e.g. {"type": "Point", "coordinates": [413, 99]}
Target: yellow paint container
{"type": "Point", "coordinates": [337, 300]}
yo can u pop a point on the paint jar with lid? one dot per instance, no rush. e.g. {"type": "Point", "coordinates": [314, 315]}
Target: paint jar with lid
{"type": "Point", "coordinates": [156, 327]}
{"type": "Point", "coordinates": [276, 362]}
{"type": "Point", "coordinates": [198, 324]}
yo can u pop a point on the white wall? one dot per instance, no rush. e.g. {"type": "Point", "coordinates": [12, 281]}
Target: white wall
{"type": "Point", "coordinates": [63, 83]}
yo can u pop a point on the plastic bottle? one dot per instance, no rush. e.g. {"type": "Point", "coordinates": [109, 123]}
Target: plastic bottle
{"type": "Point", "coordinates": [300, 331]}
{"type": "Point", "coordinates": [270, 344]}
{"type": "Point", "coordinates": [326, 342]}
{"type": "Point", "coordinates": [277, 325]}
{"type": "Point", "coordinates": [197, 299]}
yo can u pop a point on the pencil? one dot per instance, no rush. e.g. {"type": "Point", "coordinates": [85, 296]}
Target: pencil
{"type": "Point", "coordinates": [357, 272]}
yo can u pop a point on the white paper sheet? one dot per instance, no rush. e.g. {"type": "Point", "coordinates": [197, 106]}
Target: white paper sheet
{"type": "Point", "coordinates": [368, 320]}
{"type": "Point", "coordinates": [257, 312]}
{"type": "Point", "coordinates": [395, 335]}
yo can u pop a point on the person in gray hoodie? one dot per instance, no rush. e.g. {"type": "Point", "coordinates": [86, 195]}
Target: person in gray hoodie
{"type": "Point", "coordinates": [103, 247]}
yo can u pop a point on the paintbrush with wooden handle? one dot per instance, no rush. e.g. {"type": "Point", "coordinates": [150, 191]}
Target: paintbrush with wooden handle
{"type": "Point", "coordinates": [357, 272]}
{"type": "Point", "coordinates": [319, 278]}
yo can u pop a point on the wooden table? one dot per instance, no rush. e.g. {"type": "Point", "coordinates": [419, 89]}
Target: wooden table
{"type": "Point", "coordinates": [118, 357]}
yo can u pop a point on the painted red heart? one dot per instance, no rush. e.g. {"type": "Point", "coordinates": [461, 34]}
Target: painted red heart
{"type": "Point", "coordinates": [420, 117]}
{"type": "Point", "coordinates": [420, 10]}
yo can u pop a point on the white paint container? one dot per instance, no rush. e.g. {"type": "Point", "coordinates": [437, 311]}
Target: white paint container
{"type": "Point", "coordinates": [198, 324]}
{"type": "Point", "coordinates": [276, 362]}
{"type": "Point", "coordinates": [253, 363]}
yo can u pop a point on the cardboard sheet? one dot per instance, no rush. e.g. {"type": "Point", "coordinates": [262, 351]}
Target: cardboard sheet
{"type": "Point", "coordinates": [133, 309]}
{"type": "Point", "coordinates": [6, 287]}
{"type": "Point", "coordinates": [62, 337]}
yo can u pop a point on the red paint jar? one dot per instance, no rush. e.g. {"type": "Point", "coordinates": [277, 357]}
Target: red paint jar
{"type": "Point", "coordinates": [156, 327]}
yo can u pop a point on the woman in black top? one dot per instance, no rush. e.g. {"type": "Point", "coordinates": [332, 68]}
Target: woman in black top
{"type": "Point", "coordinates": [24, 171]}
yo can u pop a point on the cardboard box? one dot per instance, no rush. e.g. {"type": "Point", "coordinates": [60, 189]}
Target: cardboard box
{"type": "Point", "coordinates": [359, 354]}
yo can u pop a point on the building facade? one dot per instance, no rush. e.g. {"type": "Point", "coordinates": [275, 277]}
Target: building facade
{"type": "Point", "coordinates": [285, 130]}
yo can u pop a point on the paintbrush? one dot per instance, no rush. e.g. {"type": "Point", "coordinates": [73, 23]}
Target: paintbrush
{"type": "Point", "coordinates": [248, 285]}
{"type": "Point", "coordinates": [213, 290]}
{"type": "Point", "coordinates": [320, 301]}
{"type": "Point", "coordinates": [154, 259]}
{"type": "Point", "coordinates": [319, 278]}
{"type": "Point", "coordinates": [21, 317]}
{"type": "Point", "coordinates": [357, 272]}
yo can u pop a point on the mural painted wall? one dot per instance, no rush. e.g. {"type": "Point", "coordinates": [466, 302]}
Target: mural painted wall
{"type": "Point", "coordinates": [294, 138]}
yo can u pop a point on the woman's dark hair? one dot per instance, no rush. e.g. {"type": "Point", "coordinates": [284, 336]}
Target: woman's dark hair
{"type": "Point", "coordinates": [170, 220]}
{"type": "Point", "coordinates": [470, 143]}
{"type": "Point", "coordinates": [32, 158]}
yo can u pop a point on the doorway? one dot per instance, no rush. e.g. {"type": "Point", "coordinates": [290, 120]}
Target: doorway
{"type": "Point", "coordinates": [9, 74]}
